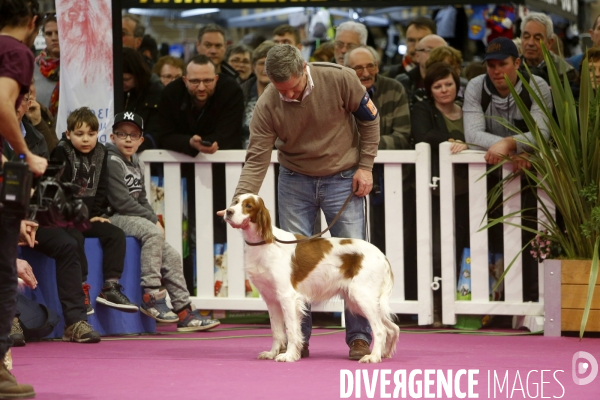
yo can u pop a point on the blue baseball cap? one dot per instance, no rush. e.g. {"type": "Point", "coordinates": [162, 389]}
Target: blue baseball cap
{"type": "Point", "coordinates": [500, 49]}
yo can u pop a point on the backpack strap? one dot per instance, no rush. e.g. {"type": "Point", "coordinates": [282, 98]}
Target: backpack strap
{"type": "Point", "coordinates": [486, 98]}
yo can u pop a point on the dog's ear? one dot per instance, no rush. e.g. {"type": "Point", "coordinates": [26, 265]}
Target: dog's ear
{"type": "Point", "coordinates": [263, 222]}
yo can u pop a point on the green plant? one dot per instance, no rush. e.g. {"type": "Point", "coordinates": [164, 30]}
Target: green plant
{"type": "Point", "coordinates": [566, 168]}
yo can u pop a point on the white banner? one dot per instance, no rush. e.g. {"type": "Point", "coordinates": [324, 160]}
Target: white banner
{"type": "Point", "coordinates": [86, 61]}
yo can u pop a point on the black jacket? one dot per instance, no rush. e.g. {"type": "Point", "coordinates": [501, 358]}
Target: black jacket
{"type": "Point", "coordinates": [88, 171]}
{"type": "Point", "coordinates": [413, 85]}
{"type": "Point", "coordinates": [219, 121]}
{"type": "Point", "coordinates": [145, 104]}
{"type": "Point", "coordinates": [428, 125]}
{"type": "Point", "coordinates": [35, 142]}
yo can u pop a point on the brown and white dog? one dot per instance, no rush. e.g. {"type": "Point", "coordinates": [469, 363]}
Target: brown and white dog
{"type": "Point", "coordinates": [290, 275]}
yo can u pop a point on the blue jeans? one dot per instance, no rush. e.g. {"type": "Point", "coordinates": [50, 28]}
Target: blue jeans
{"type": "Point", "coordinates": [9, 237]}
{"type": "Point", "coordinates": [300, 199]}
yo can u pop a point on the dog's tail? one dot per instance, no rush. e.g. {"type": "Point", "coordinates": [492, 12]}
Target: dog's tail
{"type": "Point", "coordinates": [386, 292]}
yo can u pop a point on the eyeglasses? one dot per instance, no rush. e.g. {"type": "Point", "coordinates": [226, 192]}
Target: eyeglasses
{"type": "Point", "coordinates": [133, 136]}
{"type": "Point", "coordinates": [369, 67]}
{"type": "Point", "coordinates": [196, 82]}
{"type": "Point", "coordinates": [125, 33]}
{"type": "Point", "coordinates": [340, 45]}
{"type": "Point", "coordinates": [423, 50]}
{"type": "Point", "coordinates": [244, 61]}
{"type": "Point", "coordinates": [50, 15]}
{"type": "Point", "coordinates": [170, 77]}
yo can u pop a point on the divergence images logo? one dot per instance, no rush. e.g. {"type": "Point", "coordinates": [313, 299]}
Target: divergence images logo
{"type": "Point", "coordinates": [581, 367]}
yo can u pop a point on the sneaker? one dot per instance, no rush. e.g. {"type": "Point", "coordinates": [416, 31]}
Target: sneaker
{"type": "Point", "coordinates": [112, 295]}
{"type": "Point", "coordinates": [8, 360]}
{"type": "Point", "coordinates": [88, 304]}
{"type": "Point", "coordinates": [81, 332]}
{"type": "Point", "coordinates": [10, 389]}
{"type": "Point", "coordinates": [155, 306]}
{"type": "Point", "coordinates": [16, 333]}
{"type": "Point", "coordinates": [358, 349]}
{"type": "Point", "coordinates": [192, 321]}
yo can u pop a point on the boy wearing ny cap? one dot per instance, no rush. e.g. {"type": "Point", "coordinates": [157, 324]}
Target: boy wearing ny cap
{"type": "Point", "coordinates": [481, 132]}
{"type": "Point", "coordinates": [85, 165]}
{"type": "Point", "coordinates": [489, 96]}
{"type": "Point", "coordinates": [162, 268]}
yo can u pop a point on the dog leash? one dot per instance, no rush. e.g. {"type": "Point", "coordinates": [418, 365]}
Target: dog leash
{"type": "Point", "coordinates": [316, 235]}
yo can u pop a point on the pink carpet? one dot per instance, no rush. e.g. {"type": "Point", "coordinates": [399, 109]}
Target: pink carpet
{"type": "Point", "coordinates": [209, 366]}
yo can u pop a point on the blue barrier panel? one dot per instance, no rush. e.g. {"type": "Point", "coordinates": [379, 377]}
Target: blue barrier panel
{"type": "Point", "coordinates": [105, 320]}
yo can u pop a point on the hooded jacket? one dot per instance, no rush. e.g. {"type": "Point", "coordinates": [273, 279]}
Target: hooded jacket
{"type": "Point", "coordinates": [481, 131]}
{"type": "Point", "coordinates": [126, 191]}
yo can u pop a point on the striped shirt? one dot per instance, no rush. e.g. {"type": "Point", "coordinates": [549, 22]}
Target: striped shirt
{"type": "Point", "coordinates": [394, 125]}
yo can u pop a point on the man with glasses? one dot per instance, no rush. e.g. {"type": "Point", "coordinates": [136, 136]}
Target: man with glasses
{"type": "Point", "coordinates": [413, 80]}
{"type": "Point", "coordinates": [348, 36]}
{"type": "Point", "coordinates": [201, 113]}
{"type": "Point", "coordinates": [416, 30]}
{"type": "Point", "coordinates": [133, 31]}
{"type": "Point", "coordinates": [133, 35]}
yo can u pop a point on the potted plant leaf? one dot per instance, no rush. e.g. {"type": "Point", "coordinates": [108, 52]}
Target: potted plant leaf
{"type": "Point", "coordinates": [567, 169]}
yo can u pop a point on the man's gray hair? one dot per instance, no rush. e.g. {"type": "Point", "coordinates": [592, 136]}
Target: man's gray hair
{"type": "Point", "coordinates": [354, 27]}
{"type": "Point", "coordinates": [370, 49]}
{"type": "Point", "coordinates": [139, 30]}
{"type": "Point", "coordinates": [283, 62]}
{"type": "Point", "coordinates": [542, 19]}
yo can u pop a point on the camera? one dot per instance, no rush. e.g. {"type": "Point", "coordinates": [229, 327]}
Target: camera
{"type": "Point", "coordinates": [53, 202]}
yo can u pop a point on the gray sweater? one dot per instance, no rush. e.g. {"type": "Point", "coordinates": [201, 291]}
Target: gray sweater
{"type": "Point", "coordinates": [126, 191]}
{"type": "Point", "coordinates": [482, 131]}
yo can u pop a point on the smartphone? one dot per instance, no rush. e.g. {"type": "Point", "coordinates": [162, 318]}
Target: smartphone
{"type": "Point", "coordinates": [206, 143]}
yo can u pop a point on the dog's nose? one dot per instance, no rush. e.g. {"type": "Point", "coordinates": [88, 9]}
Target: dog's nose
{"type": "Point", "coordinates": [229, 213]}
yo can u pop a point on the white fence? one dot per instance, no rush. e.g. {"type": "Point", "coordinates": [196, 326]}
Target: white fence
{"type": "Point", "coordinates": [480, 303]}
{"type": "Point", "coordinates": [393, 161]}
{"type": "Point", "coordinates": [234, 159]}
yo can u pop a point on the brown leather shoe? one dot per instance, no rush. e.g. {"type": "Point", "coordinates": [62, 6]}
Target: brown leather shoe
{"type": "Point", "coordinates": [358, 349]}
{"type": "Point", "coordinates": [304, 353]}
{"type": "Point", "coordinates": [10, 389]}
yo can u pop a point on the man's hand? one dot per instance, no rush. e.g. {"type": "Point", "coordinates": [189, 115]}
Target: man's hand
{"type": "Point", "coordinates": [160, 227]}
{"type": "Point", "coordinates": [99, 219]}
{"type": "Point", "coordinates": [25, 272]}
{"type": "Point", "coordinates": [520, 161]}
{"type": "Point", "coordinates": [500, 149]}
{"type": "Point", "coordinates": [362, 182]}
{"type": "Point", "coordinates": [195, 142]}
{"type": "Point", "coordinates": [27, 233]}
{"type": "Point", "coordinates": [34, 113]}
{"type": "Point", "coordinates": [37, 165]}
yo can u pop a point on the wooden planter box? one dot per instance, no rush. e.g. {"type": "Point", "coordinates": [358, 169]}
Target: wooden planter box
{"type": "Point", "coordinates": [565, 293]}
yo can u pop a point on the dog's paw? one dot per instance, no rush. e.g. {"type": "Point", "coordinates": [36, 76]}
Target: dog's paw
{"type": "Point", "coordinates": [267, 355]}
{"type": "Point", "coordinates": [370, 358]}
{"type": "Point", "coordinates": [287, 357]}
